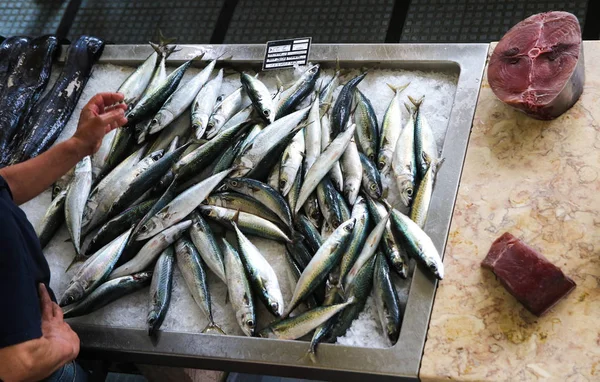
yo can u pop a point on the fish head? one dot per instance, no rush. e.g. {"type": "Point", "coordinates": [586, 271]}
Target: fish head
{"type": "Point", "coordinates": [267, 333]}
{"type": "Point", "coordinates": [383, 161]}
{"type": "Point", "coordinates": [148, 229]}
{"type": "Point", "coordinates": [160, 119]}
{"type": "Point", "coordinates": [151, 321]}
{"type": "Point", "coordinates": [314, 69]}
{"type": "Point", "coordinates": [231, 184]}
{"type": "Point", "coordinates": [247, 321]}
{"type": "Point", "coordinates": [406, 188]}
{"type": "Point", "coordinates": [266, 113]}
{"type": "Point", "coordinates": [374, 190]}
{"type": "Point", "coordinates": [349, 225]}
{"type": "Point", "coordinates": [435, 267]}
{"type": "Point", "coordinates": [73, 294]}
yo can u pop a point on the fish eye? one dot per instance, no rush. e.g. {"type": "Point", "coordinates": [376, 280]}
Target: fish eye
{"type": "Point", "coordinates": [409, 191]}
{"type": "Point", "coordinates": [373, 187]}
{"type": "Point", "coordinates": [154, 121]}
{"type": "Point", "coordinates": [266, 113]}
{"type": "Point", "coordinates": [144, 228]}
{"type": "Point", "coordinates": [381, 164]}
{"type": "Point", "coordinates": [282, 183]}
{"type": "Point", "coordinates": [234, 183]}
{"type": "Point", "coordinates": [275, 306]}
{"type": "Point", "coordinates": [250, 323]}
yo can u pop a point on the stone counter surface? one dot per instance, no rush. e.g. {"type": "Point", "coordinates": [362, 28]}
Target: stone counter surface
{"type": "Point", "coordinates": [540, 181]}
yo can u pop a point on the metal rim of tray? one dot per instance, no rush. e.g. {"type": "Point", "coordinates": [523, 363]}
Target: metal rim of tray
{"type": "Point", "coordinates": [276, 357]}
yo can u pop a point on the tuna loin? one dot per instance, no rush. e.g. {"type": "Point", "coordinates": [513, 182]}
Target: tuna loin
{"type": "Point", "coordinates": [526, 274]}
{"type": "Point", "coordinates": [537, 67]}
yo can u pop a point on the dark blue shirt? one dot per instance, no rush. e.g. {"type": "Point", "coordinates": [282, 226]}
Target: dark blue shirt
{"type": "Point", "coordinates": [22, 267]}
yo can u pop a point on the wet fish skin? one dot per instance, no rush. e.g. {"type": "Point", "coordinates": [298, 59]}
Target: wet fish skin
{"type": "Point", "coordinates": [191, 266]}
{"type": "Point", "coordinates": [395, 255]}
{"type": "Point", "coordinates": [151, 102]}
{"type": "Point", "coordinates": [181, 99]}
{"type": "Point", "coordinates": [239, 288]}
{"type": "Point", "coordinates": [367, 129]}
{"type": "Point", "coordinates": [293, 273]}
{"type": "Point", "coordinates": [425, 145]}
{"type": "Point", "coordinates": [160, 290]}
{"type": "Point", "coordinates": [291, 163]}
{"type": "Point", "coordinates": [417, 243]}
{"type": "Point", "coordinates": [194, 162]}
{"type": "Point", "coordinates": [207, 245]}
{"type": "Point", "coordinates": [369, 249]}
{"type": "Point", "coordinates": [135, 84]}
{"type": "Point", "coordinates": [51, 113]}
{"type": "Point", "coordinates": [352, 170]}
{"type": "Point", "coordinates": [403, 162]}
{"type": "Point", "coordinates": [118, 225]}
{"type": "Point", "coordinates": [260, 96]}
{"type": "Point", "coordinates": [261, 275]}
{"type": "Point", "coordinates": [360, 232]}
{"type": "Point", "coordinates": [151, 250]}
{"type": "Point", "coordinates": [331, 203]}
{"type": "Point", "coordinates": [180, 207]}
{"type": "Point", "coordinates": [332, 297]}
{"type": "Point", "coordinates": [312, 210]}
{"type": "Point", "coordinates": [292, 97]}
{"type": "Point", "coordinates": [326, 93]}
{"type": "Point", "coordinates": [178, 128]}
{"type": "Point", "coordinates": [310, 233]}
{"type": "Point", "coordinates": [336, 171]}
{"type": "Point", "coordinates": [420, 206]}
{"type": "Point", "coordinates": [75, 200]}
{"type": "Point", "coordinates": [228, 107]}
{"type": "Point", "coordinates": [94, 270]}
{"type": "Point", "coordinates": [359, 291]}
{"type": "Point", "coordinates": [248, 223]}
{"type": "Point", "coordinates": [266, 141]}
{"type": "Point", "coordinates": [371, 180]}
{"type": "Point", "coordinates": [108, 292]}
{"type": "Point", "coordinates": [62, 183]}
{"type": "Point", "coordinates": [323, 164]}
{"type": "Point", "coordinates": [390, 130]}
{"type": "Point", "coordinates": [273, 177]}
{"type": "Point", "coordinates": [263, 193]}
{"type": "Point", "coordinates": [226, 160]}
{"type": "Point", "coordinates": [302, 324]}
{"type": "Point", "coordinates": [322, 262]}
{"type": "Point", "coordinates": [343, 105]}
{"type": "Point", "coordinates": [243, 203]}
{"type": "Point", "coordinates": [300, 253]}
{"type": "Point", "coordinates": [387, 301]}
{"type": "Point", "coordinates": [312, 135]}
{"type": "Point", "coordinates": [52, 220]}
{"type": "Point", "coordinates": [292, 196]}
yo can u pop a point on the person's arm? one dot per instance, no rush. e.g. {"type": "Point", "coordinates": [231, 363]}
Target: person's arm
{"type": "Point", "coordinates": [30, 178]}
{"type": "Point", "coordinates": [36, 359]}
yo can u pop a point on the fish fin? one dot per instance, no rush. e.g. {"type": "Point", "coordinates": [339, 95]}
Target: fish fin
{"type": "Point", "coordinates": [411, 110]}
{"type": "Point", "coordinates": [235, 217]}
{"type": "Point", "coordinates": [426, 158]}
{"type": "Point", "coordinates": [76, 259]}
{"type": "Point", "coordinates": [213, 327]}
{"type": "Point", "coordinates": [278, 82]}
{"type": "Point", "coordinates": [198, 57]}
{"type": "Point", "coordinates": [164, 41]}
{"type": "Point", "coordinates": [398, 88]}
{"type": "Point", "coordinates": [310, 354]}
{"type": "Point", "coordinates": [416, 102]}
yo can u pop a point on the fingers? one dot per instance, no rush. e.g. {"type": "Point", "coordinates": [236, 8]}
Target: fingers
{"type": "Point", "coordinates": [113, 119]}
{"type": "Point", "coordinates": [45, 302]}
{"type": "Point", "coordinates": [57, 311]}
{"type": "Point", "coordinates": [101, 100]}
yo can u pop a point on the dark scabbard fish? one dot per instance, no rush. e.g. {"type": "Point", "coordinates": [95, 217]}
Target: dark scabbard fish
{"type": "Point", "coordinates": [25, 82]}
{"type": "Point", "coordinates": [10, 50]}
{"type": "Point", "coordinates": [50, 115]}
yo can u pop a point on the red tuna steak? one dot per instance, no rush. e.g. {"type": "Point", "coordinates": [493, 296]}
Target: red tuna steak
{"type": "Point", "coordinates": [537, 67]}
{"type": "Point", "coordinates": [527, 275]}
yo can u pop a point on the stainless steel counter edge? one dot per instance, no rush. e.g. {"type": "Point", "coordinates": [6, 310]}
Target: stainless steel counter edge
{"type": "Point", "coordinates": [285, 358]}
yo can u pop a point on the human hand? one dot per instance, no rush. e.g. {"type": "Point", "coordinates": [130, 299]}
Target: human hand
{"type": "Point", "coordinates": [99, 116]}
{"type": "Point", "coordinates": [55, 329]}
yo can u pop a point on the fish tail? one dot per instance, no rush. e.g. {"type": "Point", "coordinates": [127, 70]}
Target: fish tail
{"type": "Point", "coordinates": [416, 102]}
{"type": "Point", "coordinates": [164, 41]}
{"type": "Point", "coordinates": [398, 88]}
{"type": "Point", "coordinates": [311, 354]}
{"type": "Point", "coordinates": [212, 326]}
{"type": "Point", "coordinates": [411, 110]}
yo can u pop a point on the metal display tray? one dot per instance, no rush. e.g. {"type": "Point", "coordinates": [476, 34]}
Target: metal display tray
{"type": "Point", "coordinates": [285, 358]}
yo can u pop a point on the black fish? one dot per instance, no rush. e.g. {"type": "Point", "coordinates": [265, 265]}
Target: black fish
{"type": "Point", "coordinates": [25, 82]}
{"type": "Point", "coordinates": [10, 50]}
{"type": "Point", "coordinates": [51, 113]}
{"type": "Point", "coordinates": [343, 105]}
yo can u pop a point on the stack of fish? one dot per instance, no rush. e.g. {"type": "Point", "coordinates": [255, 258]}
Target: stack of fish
{"type": "Point", "coordinates": [295, 165]}
{"type": "Point", "coordinates": [29, 126]}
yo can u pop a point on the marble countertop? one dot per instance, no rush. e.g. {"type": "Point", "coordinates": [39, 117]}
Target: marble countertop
{"type": "Point", "coordinates": [540, 181]}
